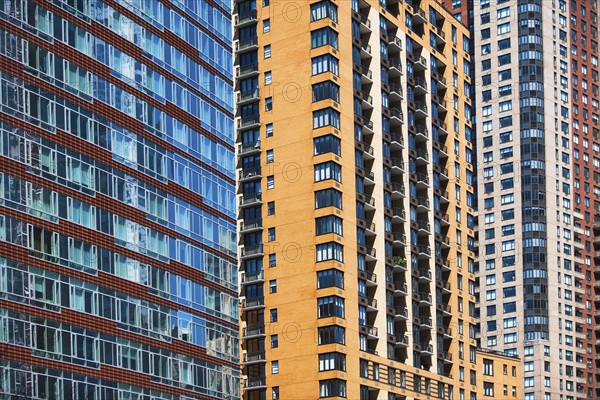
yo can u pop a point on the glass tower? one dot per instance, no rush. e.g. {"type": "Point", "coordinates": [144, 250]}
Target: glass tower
{"type": "Point", "coordinates": [118, 275]}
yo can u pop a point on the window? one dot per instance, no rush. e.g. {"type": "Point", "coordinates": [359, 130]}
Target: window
{"type": "Point", "coordinates": [268, 104]}
{"type": "Point", "coordinates": [328, 198]}
{"type": "Point", "coordinates": [504, 75]}
{"type": "Point", "coordinates": [323, 9]}
{"type": "Point", "coordinates": [329, 224]}
{"type": "Point", "coordinates": [266, 25]}
{"type": "Point", "coordinates": [504, 12]}
{"type": "Point", "coordinates": [272, 260]}
{"type": "Point", "coordinates": [271, 235]}
{"type": "Point", "coordinates": [328, 170]}
{"type": "Point", "coordinates": [327, 144]}
{"type": "Point", "coordinates": [273, 286]}
{"type": "Point", "coordinates": [504, 28]}
{"type": "Point", "coordinates": [271, 208]}
{"type": "Point", "coordinates": [325, 63]}
{"type": "Point", "coordinates": [270, 182]}
{"type": "Point", "coordinates": [326, 117]}
{"type": "Point", "coordinates": [332, 334]}
{"type": "Point", "coordinates": [273, 314]}
{"type": "Point", "coordinates": [331, 306]}
{"type": "Point", "coordinates": [504, 44]}
{"type": "Point", "coordinates": [332, 361]}
{"type": "Point", "coordinates": [326, 90]}
{"type": "Point", "coordinates": [323, 37]}
{"type": "Point", "coordinates": [330, 278]}
{"type": "Point", "coordinates": [488, 367]}
{"type": "Point", "coordinates": [268, 78]}
{"type": "Point", "coordinates": [488, 389]}
{"type": "Point", "coordinates": [269, 130]}
{"type": "Point", "coordinates": [274, 341]}
{"type": "Point", "coordinates": [332, 388]}
{"type": "Point", "coordinates": [267, 51]}
{"type": "Point", "coordinates": [510, 338]}
{"type": "Point", "coordinates": [330, 251]}
{"type": "Point", "coordinates": [274, 367]}
{"type": "Point", "coordinates": [275, 393]}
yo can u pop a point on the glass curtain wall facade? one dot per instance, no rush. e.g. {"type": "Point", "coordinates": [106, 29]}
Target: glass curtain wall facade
{"type": "Point", "coordinates": [118, 275]}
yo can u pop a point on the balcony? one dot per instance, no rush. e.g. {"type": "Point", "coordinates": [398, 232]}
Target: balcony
{"type": "Point", "coordinates": [445, 357]}
{"type": "Point", "coordinates": [395, 67]}
{"type": "Point", "coordinates": [370, 331]}
{"type": "Point", "coordinates": [397, 140]}
{"type": "Point", "coordinates": [444, 308]}
{"type": "Point", "coordinates": [253, 225]}
{"type": "Point", "coordinates": [246, 45]}
{"type": "Point", "coordinates": [424, 251]}
{"type": "Point", "coordinates": [400, 289]}
{"type": "Point", "coordinates": [397, 165]}
{"type": "Point", "coordinates": [246, 71]}
{"type": "Point", "coordinates": [442, 193]}
{"type": "Point", "coordinates": [369, 277]}
{"type": "Point", "coordinates": [444, 330]}
{"type": "Point", "coordinates": [443, 264]}
{"type": "Point", "coordinates": [399, 238]}
{"type": "Point", "coordinates": [399, 215]}
{"type": "Point", "coordinates": [252, 304]}
{"type": "Point", "coordinates": [368, 201]}
{"type": "Point", "coordinates": [369, 302]}
{"type": "Point", "coordinates": [248, 97]}
{"type": "Point", "coordinates": [401, 313]}
{"type": "Point", "coordinates": [422, 180]}
{"type": "Point", "coordinates": [246, 18]}
{"type": "Point", "coordinates": [420, 64]}
{"type": "Point", "coordinates": [398, 190]}
{"type": "Point", "coordinates": [420, 86]}
{"type": "Point", "coordinates": [443, 239]}
{"type": "Point", "coordinates": [420, 109]}
{"type": "Point", "coordinates": [254, 358]}
{"type": "Point", "coordinates": [422, 202]}
{"type": "Point", "coordinates": [368, 150]}
{"type": "Point", "coordinates": [444, 285]}
{"type": "Point", "coordinates": [424, 275]}
{"type": "Point", "coordinates": [252, 121]}
{"type": "Point", "coordinates": [400, 263]}
{"type": "Point", "coordinates": [254, 383]}
{"type": "Point", "coordinates": [396, 92]}
{"type": "Point", "coordinates": [396, 43]}
{"type": "Point", "coordinates": [249, 279]}
{"type": "Point", "coordinates": [246, 149]}
{"type": "Point", "coordinates": [368, 175]}
{"type": "Point", "coordinates": [367, 99]}
{"type": "Point", "coordinates": [252, 251]}
{"type": "Point", "coordinates": [421, 133]}
{"type": "Point", "coordinates": [426, 349]}
{"type": "Point", "coordinates": [401, 341]}
{"type": "Point", "coordinates": [365, 23]}
{"type": "Point", "coordinates": [396, 117]}
{"type": "Point", "coordinates": [419, 17]}
{"type": "Point", "coordinates": [250, 200]}
{"type": "Point", "coordinates": [247, 174]}
{"type": "Point", "coordinates": [253, 331]}
{"type": "Point", "coordinates": [425, 299]}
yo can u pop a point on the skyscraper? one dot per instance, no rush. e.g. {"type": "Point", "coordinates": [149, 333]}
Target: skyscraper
{"type": "Point", "coordinates": [357, 248]}
{"type": "Point", "coordinates": [535, 67]}
{"type": "Point", "coordinates": [118, 275]}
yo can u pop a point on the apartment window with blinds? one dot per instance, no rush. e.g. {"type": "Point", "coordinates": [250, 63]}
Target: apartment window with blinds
{"type": "Point", "coordinates": [327, 144]}
{"type": "Point", "coordinates": [332, 388]}
{"type": "Point", "coordinates": [325, 63]}
{"type": "Point", "coordinates": [332, 361]}
{"type": "Point", "coordinates": [328, 198]}
{"type": "Point", "coordinates": [331, 306]}
{"type": "Point", "coordinates": [322, 10]}
{"type": "Point", "coordinates": [329, 224]}
{"type": "Point", "coordinates": [332, 334]}
{"type": "Point", "coordinates": [330, 251]}
{"type": "Point", "coordinates": [323, 37]}
{"type": "Point", "coordinates": [326, 90]}
{"type": "Point", "coordinates": [328, 170]}
{"type": "Point", "coordinates": [326, 117]}
{"type": "Point", "coordinates": [330, 278]}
